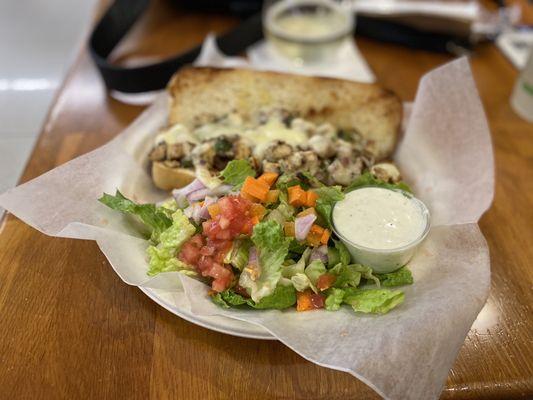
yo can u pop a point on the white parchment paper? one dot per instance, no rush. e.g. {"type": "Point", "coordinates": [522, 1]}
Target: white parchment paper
{"type": "Point", "coordinates": [445, 154]}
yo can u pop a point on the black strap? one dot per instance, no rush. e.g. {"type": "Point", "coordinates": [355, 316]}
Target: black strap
{"type": "Point", "coordinates": [118, 20]}
{"type": "Point", "coordinates": [123, 14]}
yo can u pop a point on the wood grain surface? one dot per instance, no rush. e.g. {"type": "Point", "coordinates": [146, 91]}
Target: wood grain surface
{"type": "Point", "coordinates": [70, 328]}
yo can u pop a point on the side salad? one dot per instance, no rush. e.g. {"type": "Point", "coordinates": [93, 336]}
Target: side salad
{"type": "Point", "coordinates": [264, 242]}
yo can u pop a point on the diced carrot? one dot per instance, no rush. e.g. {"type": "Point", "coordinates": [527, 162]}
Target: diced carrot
{"type": "Point", "coordinates": [257, 210]}
{"type": "Point", "coordinates": [325, 236]}
{"type": "Point", "coordinates": [248, 197]}
{"type": "Point", "coordinates": [310, 200]}
{"type": "Point", "coordinates": [304, 301]}
{"type": "Point", "coordinates": [255, 220]}
{"type": "Point", "coordinates": [297, 196]}
{"type": "Point", "coordinates": [214, 210]}
{"type": "Point", "coordinates": [307, 211]}
{"type": "Point", "coordinates": [272, 196]}
{"type": "Point", "coordinates": [269, 178]}
{"type": "Point", "coordinates": [288, 228]}
{"type": "Point", "coordinates": [255, 188]}
{"type": "Point", "coordinates": [314, 235]}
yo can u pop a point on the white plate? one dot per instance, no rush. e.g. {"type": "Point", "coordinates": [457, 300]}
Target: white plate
{"type": "Point", "coordinates": [178, 305]}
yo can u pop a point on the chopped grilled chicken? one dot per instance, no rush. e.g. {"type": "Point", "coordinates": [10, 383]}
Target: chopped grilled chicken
{"type": "Point", "coordinates": [344, 171]}
{"type": "Point", "coordinates": [271, 167]}
{"type": "Point", "coordinates": [177, 151]}
{"type": "Point", "coordinates": [301, 161]}
{"type": "Point", "coordinates": [322, 146]}
{"type": "Point", "coordinates": [277, 150]}
{"type": "Point", "coordinates": [302, 125]}
{"type": "Point", "coordinates": [387, 172]}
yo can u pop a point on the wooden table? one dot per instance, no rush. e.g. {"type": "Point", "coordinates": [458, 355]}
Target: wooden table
{"type": "Point", "coordinates": [70, 328]}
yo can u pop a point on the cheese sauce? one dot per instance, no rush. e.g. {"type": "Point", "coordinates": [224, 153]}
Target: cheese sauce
{"type": "Point", "coordinates": [260, 136]}
{"type": "Point", "coordinates": [379, 218]}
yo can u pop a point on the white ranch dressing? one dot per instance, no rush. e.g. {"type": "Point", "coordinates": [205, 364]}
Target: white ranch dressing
{"type": "Point", "coordinates": [379, 218]}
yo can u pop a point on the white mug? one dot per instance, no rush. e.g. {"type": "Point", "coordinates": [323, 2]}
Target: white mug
{"type": "Point", "coordinates": [522, 97]}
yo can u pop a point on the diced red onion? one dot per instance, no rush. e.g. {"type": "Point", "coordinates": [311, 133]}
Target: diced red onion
{"type": "Point", "coordinates": [188, 212]}
{"type": "Point", "coordinates": [221, 190]}
{"type": "Point", "coordinates": [180, 195]}
{"type": "Point", "coordinates": [202, 193]}
{"type": "Point", "coordinates": [319, 253]}
{"type": "Point", "coordinates": [252, 256]}
{"type": "Point", "coordinates": [197, 195]}
{"type": "Point", "coordinates": [302, 226]}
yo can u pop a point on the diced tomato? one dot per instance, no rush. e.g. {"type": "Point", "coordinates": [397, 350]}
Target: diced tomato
{"type": "Point", "coordinates": [317, 300]}
{"type": "Point", "coordinates": [231, 216]}
{"type": "Point", "coordinates": [325, 281]}
{"type": "Point", "coordinates": [240, 290]}
{"type": "Point", "coordinates": [190, 251]}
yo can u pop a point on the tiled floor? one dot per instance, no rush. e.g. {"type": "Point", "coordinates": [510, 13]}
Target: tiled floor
{"type": "Point", "coordinates": [38, 41]}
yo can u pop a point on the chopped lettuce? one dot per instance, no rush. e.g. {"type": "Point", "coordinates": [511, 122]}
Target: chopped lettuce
{"type": "Point", "coordinates": [327, 197]}
{"type": "Point", "coordinates": [377, 301]}
{"type": "Point", "coordinates": [397, 278]}
{"type": "Point", "coordinates": [301, 282]}
{"type": "Point", "coordinates": [237, 171]}
{"type": "Point", "coordinates": [288, 271]}
{"type": "Point", "coordinates": [281, 213]}
{"type": "Point", "coordinates": [347, 275]}
{"type": "Point", "coordinates": [309, 179]}
{"type": "Point", "coordinates": [366, 273]}
{"type": "Point", "coordinates": [344, 254]}
{"type": "Point", "coordinates": [334, 299]}
{"type": "Point", "coordinates": [155, 218]}
{"type": "Point", "coordinates": [313, 272]}
{"type": "Point", "coordinates": [367, 179]}
{"type": "Point", "coordinates": [282, 297]}
{"type": "Point", "coordinates": [287, 180]}
{"type": "Point", "coordinates": [163, 255]}
{"type": "Point", "coordinates": [238, 256]}
{"type": "Point", "coordinates": [273, 247]}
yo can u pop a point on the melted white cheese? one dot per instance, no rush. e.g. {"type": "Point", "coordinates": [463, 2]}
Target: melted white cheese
{"type": "Point", "coordinates": [260, 136]}
{"type": "Point", "coordinates": [379, 218]}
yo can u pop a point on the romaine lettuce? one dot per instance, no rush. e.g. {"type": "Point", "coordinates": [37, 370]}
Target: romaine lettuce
{"type": "Point", "coordinates": [334, 299]}
{"type": "Point", "coordinates": [236, 172]}
{"type": "Point", "coordinates": [155, 218]}
{"type": "Point", "coordinates": [282, 297]}
{"type": "Point", "coordinates": [272, 246]}
{"type": "Point", "coordinates": [377, 301]}
{"type": "Point", "coordinates": [162, 257]}
{"type": "Point", "coordinates": [327, 197]}
{"type": "Point", "coordinates": [367, 179]}
{"type": "Point", "coordinates": [397, 278]}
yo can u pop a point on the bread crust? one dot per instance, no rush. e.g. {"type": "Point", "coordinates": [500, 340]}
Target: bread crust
{"type": "Point", "coordinates": [199, 94]}
{"type": "Point", "coordinates": [168, 178]}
